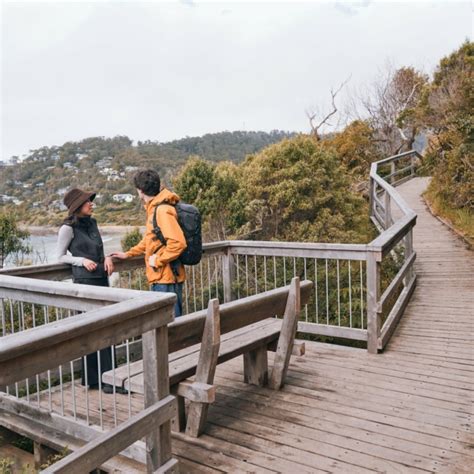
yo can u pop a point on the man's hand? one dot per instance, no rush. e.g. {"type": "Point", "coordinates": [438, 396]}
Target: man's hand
{"type": "Point", "coordinates": [121, 255]}
{"type": "Point", "coordinates": [152, 260]}
{"type": "Point", "coordinates": [89, 265]}
{"type": "Point", "coordinates": [109, 265]}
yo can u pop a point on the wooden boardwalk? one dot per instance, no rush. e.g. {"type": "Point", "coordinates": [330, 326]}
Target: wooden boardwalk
{"type": "Point", "coordinates": [344, 410]}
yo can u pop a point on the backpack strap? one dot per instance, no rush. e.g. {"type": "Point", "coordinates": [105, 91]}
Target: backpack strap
{"type": "Point", "coordinates": [156, 228]}
{"type": "Point", "coordinates": [157, 231]}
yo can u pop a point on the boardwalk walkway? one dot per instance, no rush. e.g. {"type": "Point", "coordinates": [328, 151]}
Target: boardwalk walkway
{"type": "Point", "coordinates": [344, 410]}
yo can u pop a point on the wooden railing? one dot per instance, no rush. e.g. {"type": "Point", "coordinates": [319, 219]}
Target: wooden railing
{"type": "Point", "coordinates": [108, 317]}
{"type": "Point", "coordinates": [360, 290]}
{"type": "Point", "coordinates": [395, 229]}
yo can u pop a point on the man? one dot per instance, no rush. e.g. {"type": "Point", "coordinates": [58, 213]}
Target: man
{"type": "Point", "coordinates": [164, 272]}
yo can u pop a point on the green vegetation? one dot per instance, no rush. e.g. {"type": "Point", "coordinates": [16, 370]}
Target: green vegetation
{"type": "Point", "coordinates": [447, 111]}
{"type": "Point", "coordinates": [297, 189]}
{"type": "Point", "coordinates": [11, 237]}
{"type": "Point", "coordinates": [131, 239]}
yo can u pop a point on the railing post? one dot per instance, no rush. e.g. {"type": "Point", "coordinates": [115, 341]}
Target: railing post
{"type": "Point", "coordinates": [156, 387]}
{"type": "Point", "coordinates": [371, 196]}
{"type": "Point", "coordinates": [228, 274]}
{"type": "Point", "coordinates": [393, 165]}
{"type": "Point", "coordinates": [408, 251]}
{"type": "Point", "coordinates": [373, 294]}
{"type": "Point", "coordinates": [388, 210]}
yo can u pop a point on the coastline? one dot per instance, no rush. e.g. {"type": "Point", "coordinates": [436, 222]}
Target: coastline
{"type": "Point", "coordinates": [104, 229]}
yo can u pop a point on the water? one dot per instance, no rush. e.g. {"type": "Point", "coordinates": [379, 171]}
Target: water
{"type": "Point", "coordinates": [44, 248]}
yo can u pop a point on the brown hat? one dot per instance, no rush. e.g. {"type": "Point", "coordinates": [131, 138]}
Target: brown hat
{"type": "Point", "coordinates": [75, 198]}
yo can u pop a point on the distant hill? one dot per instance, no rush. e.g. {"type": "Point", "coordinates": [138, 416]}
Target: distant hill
{"type": "Point", "coordinates": [34, 188]}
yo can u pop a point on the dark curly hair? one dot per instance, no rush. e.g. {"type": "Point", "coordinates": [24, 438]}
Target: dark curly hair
{"type": "Point", "coordinates": [147, 181]}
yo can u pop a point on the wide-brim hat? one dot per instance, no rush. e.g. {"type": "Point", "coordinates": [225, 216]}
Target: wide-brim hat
{"type": "Point", "coordinates": [75, 198]}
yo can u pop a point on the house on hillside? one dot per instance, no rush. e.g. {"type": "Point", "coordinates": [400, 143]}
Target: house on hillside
{"type": "Point", "coordinates": [123, 197]}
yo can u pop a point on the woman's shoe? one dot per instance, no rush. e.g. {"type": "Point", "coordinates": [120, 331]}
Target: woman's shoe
{"type": "Point", "coordinates": [107, 388]}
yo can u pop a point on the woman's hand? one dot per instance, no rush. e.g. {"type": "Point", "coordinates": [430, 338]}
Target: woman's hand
{"type": "Point", "coordinates": [109, 265]}
{"type": "Point", "coordinates": [89, 265]}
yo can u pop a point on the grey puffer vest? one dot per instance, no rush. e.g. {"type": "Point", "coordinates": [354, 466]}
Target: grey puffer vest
{"type": "Point", "coordinates": [87, 243]}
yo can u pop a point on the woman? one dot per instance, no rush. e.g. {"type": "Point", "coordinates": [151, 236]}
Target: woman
{"type": "Point", "coordinates": [80, 236]}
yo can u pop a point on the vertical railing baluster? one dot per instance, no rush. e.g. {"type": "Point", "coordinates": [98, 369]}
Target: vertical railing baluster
{"type": "Point", "coordinates": [186, 295]}
{"type": "Point", "coordinates": [86, 385]}
{"type": "Point", "coordinates": [316, 289]}
{"type": "Point", "coordinates": [38, 390]}
{"type": "Point", "coordinates": [209, 277]}
{"type": "Point", "coordinates": [361, 296]}
{"type": "Point", "coordinates": [265, 272]}
{"type": "Point", "coordinates": [203, 303]}
{"type": "Point", "coordinates": [114, 389]}
{"type": "Point", "coordinates": [216, 261]}
{"type": "Point", "coordinates": [194, 288]}
{"type": "Point", "coordinates": [237, 271]}
{"type": "Point", "coordinates": [338, 294]}
{"type": "Point", "coordinates": [99, 372]}
{"type": "Point", "coordinates": [12, 317]}
{"type": "Point", "coordinates": [73, 391]}
{"type": "Point", "coordinates": [327, 292]}
{"type": "Point", "coordinates": [50, 401]}
{"type": "Point", "coordinates": [247, 274]}
{"type": "Point", "coordinates": [256, 273]}
{"type": "Point", "coordinates": [274, 272]}
{"type": "Point", "coordinates": [350, 293]}
{"type": "Point", "coordinates": [61, 388]}
{"type": "Point", "coordinates": [305, 277]}
{"type": "Point", "coordinates": [128, 378]}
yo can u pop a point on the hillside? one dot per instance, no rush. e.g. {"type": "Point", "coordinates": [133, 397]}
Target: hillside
{"type": "Point", "coordinates": [35, 187]}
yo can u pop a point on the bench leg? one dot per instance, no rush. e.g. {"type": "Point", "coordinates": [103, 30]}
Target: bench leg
{"type": "Point", "coordinates": [197, 414]}
{"type": "Point", "coordinates": [179, 423]}
{"type": "Point", "coordinates": [289, 326]}
{"type": "Point", "coordinates": [256, 367]}
{"type": "Point", "coordinates": [206, 368]}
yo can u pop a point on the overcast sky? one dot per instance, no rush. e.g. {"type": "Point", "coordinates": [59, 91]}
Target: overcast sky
{"type": "Point", "coordinates": [162, 71]}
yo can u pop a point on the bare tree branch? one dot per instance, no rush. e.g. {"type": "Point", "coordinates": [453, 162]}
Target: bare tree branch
{"type": "Point", "coordinates": [312, 115]}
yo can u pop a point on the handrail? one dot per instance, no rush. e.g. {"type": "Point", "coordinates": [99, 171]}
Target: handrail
{"type": "Point", "coordinates": [392, 232]}
{"type": "Point", "coordinates": [130, 313]}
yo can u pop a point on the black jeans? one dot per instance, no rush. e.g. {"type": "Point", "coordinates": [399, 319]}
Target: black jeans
{"type": "Point", "coordinates": [92, 361]}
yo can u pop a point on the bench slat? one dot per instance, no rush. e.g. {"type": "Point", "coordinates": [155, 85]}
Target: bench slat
{"type": "Point", "coordinates": [236, 345]}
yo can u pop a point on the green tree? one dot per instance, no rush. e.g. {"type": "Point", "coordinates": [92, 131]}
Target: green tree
{"type": "Point", "coordinates": [11, 237]}
{"type": "Point", "coordinates": [356, 147]}
{"type": "Point", "coordinates": [447, 113]}
{"type": "Point", "coordinates": [299, 190]}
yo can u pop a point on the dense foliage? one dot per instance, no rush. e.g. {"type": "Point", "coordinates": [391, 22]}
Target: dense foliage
{"type": "Point", "coordinates": [447, 111]}
{"type": "Point", "coordinates": [12, 238]}
{"type": "Point", "coordinates": [297, 189]}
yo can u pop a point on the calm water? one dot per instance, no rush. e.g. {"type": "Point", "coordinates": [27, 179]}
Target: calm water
{"type": "Point", "coordinates": [44, 249]}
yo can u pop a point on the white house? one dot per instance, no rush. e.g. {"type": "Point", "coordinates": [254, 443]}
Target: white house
{"type": "Point", "coordinates": [123, 197]}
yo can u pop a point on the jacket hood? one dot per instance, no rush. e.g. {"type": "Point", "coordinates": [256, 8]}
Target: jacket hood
{"type": "Point", "coordinates": [165, 195]}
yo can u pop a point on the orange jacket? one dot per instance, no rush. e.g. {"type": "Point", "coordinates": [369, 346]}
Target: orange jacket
{"type": "Point", "coordinates": [167, 220]}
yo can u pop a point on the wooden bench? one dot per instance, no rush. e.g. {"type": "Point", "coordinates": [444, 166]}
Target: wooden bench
{"type": "Point", "coordinates": [200, 341]}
